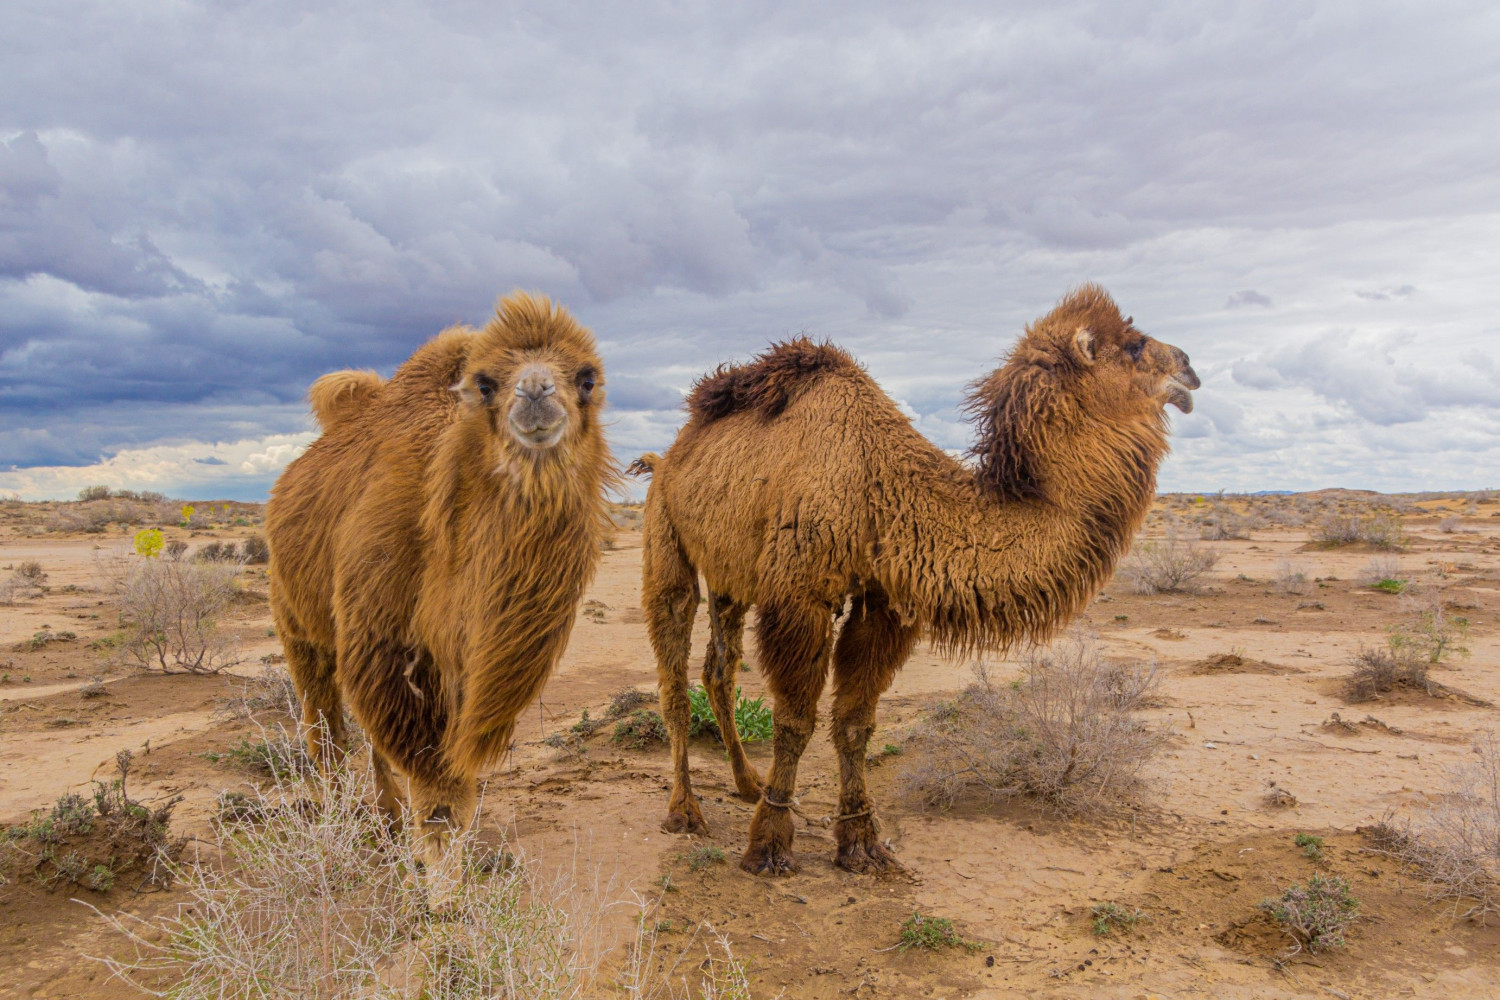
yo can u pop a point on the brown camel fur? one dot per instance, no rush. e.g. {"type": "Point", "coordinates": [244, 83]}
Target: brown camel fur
{"type": "Point", "coordinates": [799, 487]}
{"type": "Point", "coordinates": [428, 551]}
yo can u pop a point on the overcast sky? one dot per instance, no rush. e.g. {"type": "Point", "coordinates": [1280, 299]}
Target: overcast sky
{"type": "Point", "coordinates": [205, 206]}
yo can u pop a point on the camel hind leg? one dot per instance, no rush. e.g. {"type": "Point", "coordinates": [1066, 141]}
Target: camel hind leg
{"type": "Point", "coordinates": [872, 647]}
{"type": "Point", "coordinates": [669, 595]}
{"type": "Point", "coordinates": [794, 651]}
{"type": "Point", "coordinates": [312, 670]}
{"type": "Point", "coordinates": [725, 649]}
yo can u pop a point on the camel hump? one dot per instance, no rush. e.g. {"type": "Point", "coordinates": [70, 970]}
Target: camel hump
{"type": "Point", "coordinates": [644, 466]}
{"type": "Point", "coordinates": [339, 395]}
{"type": "Point", "coordinates": [770, 383]}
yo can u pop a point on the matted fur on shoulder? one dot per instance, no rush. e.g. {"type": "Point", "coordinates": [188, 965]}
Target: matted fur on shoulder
{"type": "Point", "coordinates": [770, 383]}
{"type": "Point", "coordinates": [339, 395]}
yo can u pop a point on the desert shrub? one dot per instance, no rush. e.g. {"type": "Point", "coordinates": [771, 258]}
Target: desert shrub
{"type": "Point", "coordinates": [1383, 531]}
{"type": "Point", "coordinates": [1170, 566]}
{"type": "Point", "coordinates": [1383, 574]}
{"type": "Point", "coordinates": [1380, 671]}
{"type": "Point", "coordinates": [87, 842]}
{"type": "Point", "coordinates": [93, 493]}
{"type": "Point", "coordinates": [705, 856]}
{"type": "Point", "coordinates": [625, 701]}
{"type": "Point", "coordinates": [930, 934]}
{"type": "Point", "coordinates": [26, 580]}
{"type": "Point", "coordinates": [276, 754]}
{"type": "Point", "coordinates": [1435, 636]}
{"type": "Point", "coordinates": [1224, 523]}
{"type": "Point", "coordinates": [1065, 733]}
{"type": "Point", "coordinates": [640, 728]}
{"type": "Point", "coordinates": [319, 900]}
{"type": "Point", "coordinates": [172, 609]}
{"type": "Point", "coordinates": [1315, 916]}
{"type": "Point", "coordinates": [218, 552]}
{"type": "Point", "coordinates": [1455, 847]}
{"type": "Point", "coordinates": [176, 549]}
{"type": "Point", "coordinates": [1311, 846]}
{"type": "Point", "coordinates": [1449, 525]}
{"type": "Point", "coordinates": [256, 551]}
{"type": "Point", "coordinates": [1111, 917]}
{"type": "Point", "coordinates": [1289, 580]}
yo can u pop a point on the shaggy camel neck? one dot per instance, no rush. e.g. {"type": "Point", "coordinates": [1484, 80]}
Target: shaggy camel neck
{"type": "Point", "coordinates": [982, 572]}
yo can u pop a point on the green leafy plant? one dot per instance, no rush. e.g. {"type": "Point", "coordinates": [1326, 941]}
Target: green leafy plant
{"type": "Point", "coordinates": [752, 716]}
{"type": "Point", "coordinates": [1311, 846]}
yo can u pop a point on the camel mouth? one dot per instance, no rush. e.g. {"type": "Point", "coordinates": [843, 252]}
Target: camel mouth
{"type": "Point", "coordinates": [1180, 394]}
{"type": "Point", "coordinates": [539, 438]}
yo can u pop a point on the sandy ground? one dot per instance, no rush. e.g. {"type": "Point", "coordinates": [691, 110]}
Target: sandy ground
{"type": "Point", "coordinates": [1196, 855]}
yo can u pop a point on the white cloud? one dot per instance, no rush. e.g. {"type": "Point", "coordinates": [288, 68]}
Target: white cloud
{"type": "Point", "coordinates": [188, 469]}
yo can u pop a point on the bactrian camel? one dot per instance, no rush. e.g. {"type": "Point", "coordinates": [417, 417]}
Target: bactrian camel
{"type": "Point", "coordinates": [428, 551]}
{"type": "Point", "coordinates": [797, 486]}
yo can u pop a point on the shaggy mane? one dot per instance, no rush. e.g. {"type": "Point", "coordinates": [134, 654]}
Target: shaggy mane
{"type": "Point", "coordinates": [769, 384]}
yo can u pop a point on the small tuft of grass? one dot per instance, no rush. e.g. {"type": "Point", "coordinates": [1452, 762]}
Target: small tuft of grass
{"type": "Point", "coordinates": [705, 856]}
{"type": "Point", "coordinates": [1111, 917]}
{"type": "Point", "coordinates": [1311, 846]}
{"type": "Point", "coordinates": [931, 934]}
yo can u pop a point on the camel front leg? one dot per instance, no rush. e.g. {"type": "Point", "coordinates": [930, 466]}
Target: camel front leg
{"type": "Point", "coordinates": [872, 647]}
{"type": "Point", "coordinates": [442, 810]}
{"type": "Point", "coordinates": [725, 649]}
{"type": "Point", "coordinates": [794, 652]}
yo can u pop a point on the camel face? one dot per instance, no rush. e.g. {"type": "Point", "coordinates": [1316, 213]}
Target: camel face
{"type": "Point", "coordinates": [536, 402]}
{"type": "Point", "coordinates": [1151, 368]}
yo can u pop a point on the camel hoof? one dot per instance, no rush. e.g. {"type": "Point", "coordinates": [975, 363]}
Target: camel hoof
{"type": "Point", "coordinates": [767, 859]}
{"type": "Point", "coordinates": [680, 822]}
{"type": "Point", "coordinates": [867, 858]}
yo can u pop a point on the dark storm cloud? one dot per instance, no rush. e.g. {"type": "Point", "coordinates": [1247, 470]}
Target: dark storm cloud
{"type": "Point", "coordinates": [202, 207]}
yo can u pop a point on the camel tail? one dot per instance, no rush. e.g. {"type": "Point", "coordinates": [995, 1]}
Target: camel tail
{"type": "Point", "coordinates": [337, 396]}
{"type": "Point", "coordinates": [644, 466]}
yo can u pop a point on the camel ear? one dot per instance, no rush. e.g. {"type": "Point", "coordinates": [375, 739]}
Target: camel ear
{"type": "Point", "coordinates": [1083, 340]}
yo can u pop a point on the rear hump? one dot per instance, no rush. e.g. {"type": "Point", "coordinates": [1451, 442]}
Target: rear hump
{"type": "Point", "coordinates": [768, 384]}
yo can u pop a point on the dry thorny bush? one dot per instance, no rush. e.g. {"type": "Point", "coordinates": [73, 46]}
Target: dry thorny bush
{"type": "Point", "coordinates": [308, 893]}
{"type": "Point", "coordinates": [1172, 565]}
{"type": "Point", "coordinates": [26, 580]}
{"type": "Point", "coordinates": [171, 610]}
{"type": "Point", "coordinates": [1381, 530]}
{"type": "Point", "coordinates": [1066, 733]}
{"type": "Point", "coordinates": [1455, 847]}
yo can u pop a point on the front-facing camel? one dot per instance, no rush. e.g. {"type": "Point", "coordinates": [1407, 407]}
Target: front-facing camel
{"type": "Point", "coordinates": [798, 486]}
{"type": "Point", "coordinates": [429, 550]}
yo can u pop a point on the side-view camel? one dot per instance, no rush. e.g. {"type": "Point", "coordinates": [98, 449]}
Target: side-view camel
{"type": "Point", "coordinates": [428, 552]}
{"type": "Point", "coordinates": [797, 486]}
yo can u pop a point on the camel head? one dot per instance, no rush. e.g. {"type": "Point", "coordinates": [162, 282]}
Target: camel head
{"type": "Point", "coordinates": [1121, 370]}
{"type": "Point", "coordinates": [534, 378]}
{"type": "Point", "coordinates": [1085, 366]}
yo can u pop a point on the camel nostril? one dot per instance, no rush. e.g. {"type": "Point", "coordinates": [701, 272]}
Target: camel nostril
{"type": "Point", "coordinates": [535, 389]}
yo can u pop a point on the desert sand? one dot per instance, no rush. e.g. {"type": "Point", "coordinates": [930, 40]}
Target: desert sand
{"type": "Point", "coordinates": [1250, 688]}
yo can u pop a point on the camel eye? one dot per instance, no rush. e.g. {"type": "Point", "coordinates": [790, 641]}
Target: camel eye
{"type": "Point", "coordinates": [1136, 349]}
{"type": "Point", "coordinates": [585, 381]}
{"type": "Point", "coordinates": [486, 386]}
